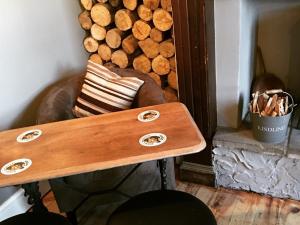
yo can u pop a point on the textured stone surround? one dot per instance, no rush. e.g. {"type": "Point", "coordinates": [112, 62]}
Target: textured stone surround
{"type": "Point", "coordinates": [240, 162]}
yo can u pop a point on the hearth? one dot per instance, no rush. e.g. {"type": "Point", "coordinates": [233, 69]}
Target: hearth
{"type": "Point", "coordinates": [239, 161]}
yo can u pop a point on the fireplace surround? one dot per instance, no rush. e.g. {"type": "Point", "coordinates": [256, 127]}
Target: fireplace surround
{"type": "Point", "coordinates": [239, 161]}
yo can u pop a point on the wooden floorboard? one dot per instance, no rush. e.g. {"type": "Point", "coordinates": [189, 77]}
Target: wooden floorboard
{"type": "Point", "coordinates": [232, 207]}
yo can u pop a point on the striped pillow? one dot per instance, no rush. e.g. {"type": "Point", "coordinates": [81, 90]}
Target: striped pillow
{"type": "Point", "coordinates": [104, 91]}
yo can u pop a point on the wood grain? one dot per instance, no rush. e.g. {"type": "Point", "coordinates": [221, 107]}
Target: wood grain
{"type": "Point", "coordinates": [99, 142]}
{"type": "Point", "coordinates": [232, 207]}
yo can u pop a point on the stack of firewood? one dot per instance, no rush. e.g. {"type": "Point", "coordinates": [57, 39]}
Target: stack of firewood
{"type": "Point", "coordinates": [270, 103]}
{"type": "Point", "coordinates": [133, 33]}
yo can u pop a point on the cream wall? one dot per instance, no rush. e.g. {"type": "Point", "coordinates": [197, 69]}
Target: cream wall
{"type": "Point", "coordinates": [279, 38]}
{"type": "Point", "coordinates": [239, 26]}
{"type": "Point", "coordinates": [234, 22]}
{"type": "Point", "coordinates": [40, 43]}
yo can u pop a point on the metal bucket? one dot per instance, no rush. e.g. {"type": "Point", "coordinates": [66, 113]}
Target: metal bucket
{"type": "Point", "coordinates": [271, 129]}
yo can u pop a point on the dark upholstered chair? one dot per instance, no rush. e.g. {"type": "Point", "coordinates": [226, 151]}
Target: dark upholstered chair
{"type": "Point", "coordinates": [71, 191]}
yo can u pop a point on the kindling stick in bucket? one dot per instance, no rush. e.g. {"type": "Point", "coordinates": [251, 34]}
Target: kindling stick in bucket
{"type": "Point", "coordinates": [270, 115]}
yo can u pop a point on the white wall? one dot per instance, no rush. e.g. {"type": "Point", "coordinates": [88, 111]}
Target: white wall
{"type": "Point", "coordinates": [40, 43]}
{"type": "Point", "coordinates": [234, 21]}
{"type": "Point", "coordinates": [278, 36]}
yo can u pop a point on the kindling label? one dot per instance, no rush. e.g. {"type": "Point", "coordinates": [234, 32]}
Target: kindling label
{"type": "Point", "coordinates": [270, 129]}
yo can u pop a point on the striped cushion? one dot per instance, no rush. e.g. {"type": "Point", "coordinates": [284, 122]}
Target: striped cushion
{"type": "Point", "coordinates": [104, 91]}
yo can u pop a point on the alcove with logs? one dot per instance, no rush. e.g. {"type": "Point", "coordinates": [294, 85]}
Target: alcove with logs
{"type": "Point", "coordinates": [135, 34]}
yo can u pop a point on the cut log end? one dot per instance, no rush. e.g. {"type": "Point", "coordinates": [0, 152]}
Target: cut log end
{"type": "Point", "coordinates": [85, 20]}
{"type": "Point", "coordinates": [151, 4]}
{"type": "Point", "coordinates": [144, 13]}
{"type": "Point", "coordinates": [90, 44]}
{"type": "Point", "coordinates": [172, 80]}
{"type": "Point", "coordinates": [142, 64]}
{"type": "Point", "coordinates": [149, 47]}
{"type": "Point", "coordinates": [167, 48]}
{"type": "Point", "coordinates": [172, 62]}
{"type": "Point", "coordinates": [104, 51]}
{"type": "Point", "coordinates": [120, 58]}
{"type": "Point", "coordinates": [162, 20]}
{"type": "Point", "coordinates": [156, 35]}
{"type": "Point", "coordinates": [166, 5]}
{"type": "Point", "coordinates": [113, 38]}
{"type": "Point", "coordinates": [124, 19]}
{"type": "Point", "coordinates": [130, 4]}
{"type": "Point", "coordinates": [161, 65]}
{"type": "Point", "coordinates": [129, 44]}
{"type": "Point", "coordinates": [101, 14]}
{"type": "Point", "coordinates": [141, 30]}
{"type": "Point", "coordinates": [87, 4]}
{"type": "Point", "coordinates": [96, 59]}
{"type": "Point", "coordinates": [98, 32]}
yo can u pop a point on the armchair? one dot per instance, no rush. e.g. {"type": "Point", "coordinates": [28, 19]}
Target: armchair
{"type": "Point", "coordinates": [114, 183]}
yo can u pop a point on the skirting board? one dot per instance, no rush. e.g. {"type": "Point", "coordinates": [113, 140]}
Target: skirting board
{"type": "Point", "coordinates": [17, 203]}
{"type": "Point", "coordinates": [197, 173]}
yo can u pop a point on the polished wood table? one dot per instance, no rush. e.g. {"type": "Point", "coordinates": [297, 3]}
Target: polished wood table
{"type": "Point", "coordinates": [99, 142]}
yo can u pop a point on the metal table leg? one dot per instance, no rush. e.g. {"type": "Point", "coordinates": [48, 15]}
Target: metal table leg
{"type": "Point", "coordinates": [163, 173]}
{"type": "Point", "coordinates": [34, 197]}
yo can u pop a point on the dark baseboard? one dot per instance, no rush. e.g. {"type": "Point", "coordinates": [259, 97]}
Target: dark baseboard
{"type": "Point", "coordinates": [197, 173]}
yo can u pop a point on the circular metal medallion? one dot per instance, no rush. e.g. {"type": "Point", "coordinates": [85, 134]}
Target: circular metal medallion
{"type": "Point", "coordinates": [29, 135]}
{"type": "Point", "coordinates": [16, 166]}
{"type": "Point", "coordinates": [153, 139]}
{"type": "Point", "coordinates": [148, 116]}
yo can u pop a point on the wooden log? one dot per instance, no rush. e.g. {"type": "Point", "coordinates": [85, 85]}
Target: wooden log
{"type": "Point", "coordinates": [166, 5]}
{"type": "Point", "coordinates": [87, 4]}
{"type": "Point", "coordinates": [149, 47]}
{"type": "Point", "coordinates": [101, 14]}
{"type": "Point", "coordinates": [130, 4]}
{"type": "Point", "coordinates": [124, 19]}
{"type": "Point", "coordinates": [105, 52]}
{"type": "Point", "coordinates": [141, 30]}
{"type": "Point", "coordinates": [151, 4]}
{"type": "Point", "coordinates": [144, 13]}
{"type": "Point", "coordinates": [155, 77]}
{"type": "Point", "coordinates": [96, 59]}
{"type": "Point", "coordinates": [142, 64]}
{"type": "Point", "coordinates": [170, 94]}
{"type": "Point", "coordinates": [172, 62]}
{"type": "Point", "coordinates": [90, 44]}
{"type": "Point", "coordinates": [156, 35]}
{"type": "Point", "coordinates": [162, 19]}
{"type": "Point", "coordinates": [129, 44]}
{"type": "Point", "coordinates": [120, 58]}
{"type": "Point", "coordinates": [161, 65]}
{"type": "Point", "coordinates": [167, 48]}
{"type": "Point", "coordinates": [114, 38]}
{"type": "Point", "coordinates": [115, 3]}
{"type": "Point", "coordinates": [98, 32]}
{"type": "Point", "coordinates": [85, 20]}
{"type": "Point", "coordinates": [172, 80]}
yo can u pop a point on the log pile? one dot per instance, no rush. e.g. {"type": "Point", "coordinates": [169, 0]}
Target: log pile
{"type": "Point", "coordinates": [133, 34]}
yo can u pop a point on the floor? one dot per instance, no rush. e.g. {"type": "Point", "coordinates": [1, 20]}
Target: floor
{"type": "Point", "coordinates": [230, 207]}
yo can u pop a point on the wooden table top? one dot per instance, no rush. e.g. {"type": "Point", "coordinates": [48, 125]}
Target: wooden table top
{"type": "Point", "coordinates": [99, 142]}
